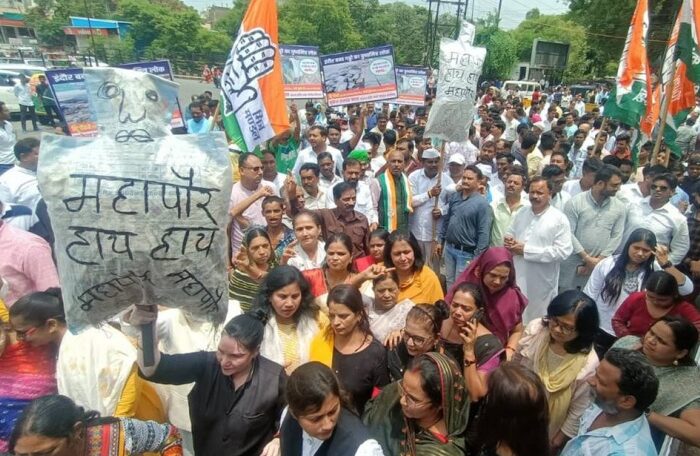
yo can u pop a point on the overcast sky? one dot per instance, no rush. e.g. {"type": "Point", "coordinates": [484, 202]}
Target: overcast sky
{"type": "Point", "coordinates": [512, 11]}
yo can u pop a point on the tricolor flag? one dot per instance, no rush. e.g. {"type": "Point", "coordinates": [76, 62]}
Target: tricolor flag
{"type": "Point", "coordinates": [681, 64]}
{"type": "Point", "coordinates": [254, 108]}
{"type": "Point", "coordinates": [628, 99]}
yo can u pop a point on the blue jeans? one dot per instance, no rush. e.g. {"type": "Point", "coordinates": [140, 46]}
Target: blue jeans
{"type": "Point", "coordinates": [456, 261]}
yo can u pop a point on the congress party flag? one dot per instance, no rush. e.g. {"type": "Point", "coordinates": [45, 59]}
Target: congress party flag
{"type": "Point", "coordinates": [679, 66]}
{"type": "Point", "coordinates": [252, 92]}
{"type": "Point", "coordinates": [628, 99]}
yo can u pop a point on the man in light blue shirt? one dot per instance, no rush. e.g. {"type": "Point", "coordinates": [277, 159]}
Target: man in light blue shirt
{"type": "Point", "coordinates": [198, 124]}
{"type": "Point", "coordinates": [623, 387]}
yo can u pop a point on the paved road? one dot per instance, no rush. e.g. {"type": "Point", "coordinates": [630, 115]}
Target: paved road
{"type": "Point", "coordinates": [188, 88]}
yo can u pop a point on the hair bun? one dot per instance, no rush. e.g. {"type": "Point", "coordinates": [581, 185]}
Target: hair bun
{"type": "Point", "coordinates": [259, 314]}
{"type": "Point", "coordinates": [442, 309]}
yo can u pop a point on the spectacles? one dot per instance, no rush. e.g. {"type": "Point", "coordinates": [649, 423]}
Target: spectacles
{"type": "Point", "coordinates": [659, 188]}
{"type": "Point", "coordinates": [411, 402]}
{"type": "Point", "coordinates": [565, 329]}
{"type": "Point", "coordinates": [416, 339]}
{"type": "Point", "coordinates": [254, 168]}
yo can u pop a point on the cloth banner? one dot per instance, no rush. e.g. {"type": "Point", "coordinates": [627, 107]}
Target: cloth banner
{"type": "Point", "coordinates": [359, 76]}
{"type": "Point", "coordinates": [460, 67]}
{"type": "Point", "coordinates": [412, 83]}
{"type": "Point", "coordinates": [139, 214]}
{"type": "Point", "coordinates": [301, 71]}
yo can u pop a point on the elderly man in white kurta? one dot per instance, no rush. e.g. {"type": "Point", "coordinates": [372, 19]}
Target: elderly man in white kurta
{"type": "Point", "coordinates": [539, 239]}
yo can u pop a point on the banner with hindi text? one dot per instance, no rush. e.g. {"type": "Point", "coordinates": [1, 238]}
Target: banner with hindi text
{"type": "Point", "coordinates": [412, 83]}
{"type": "Point", "coordinates": [68, 86]}
{"type": "Point", "coordinates": [359, 76]}
{"type": "Point", "coordinates": [301, 72]}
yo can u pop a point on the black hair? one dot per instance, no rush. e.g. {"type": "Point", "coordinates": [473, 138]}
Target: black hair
{"type": "Point", "coordinates": [611, 160]}
{"type": "Point", "coordinates": [271, 199]}
{"type": "Point", "coordinates": [498, 123]}
{"type": "Point", "coordinates": [547, 140]}
{"type": "Point", "coordinates": [586, 314]}
{"type": "Point", "coordinates": [654, 171]}
{"type": "Point", "coordinates": [398, 236]}
{"type": "Point", "coordinates": [349, 296]}
{"type": "Point", "coordinates": [321, 130]}
{"type": "Point", "coordinates": [386, 276]}
{"type": "Point", "coordinates": [433, 314]}
{"type": "Point", "coordinates": [663, 283]}
{"type": "Point", "coordinates": [379, 233]}
{"type": "Point", "coordinates": [507, 155]}
{"type": "Point", "coordinates": [521, 128]}
{"type": "Point", "coordinates": [389, 137]}
{"type": "Point", "coordinates": [637, 377]}
{"type": "Point", "coordinates": [342, 187]}
{"type": "Point", "coordinates": [529, 140]}
{"type": "Point", "coordinates": [280, 277]}
{"type": "Point", "coordinates": [53, 416]}
{"type": "Point", "coordinates": [612, 286]}
{"type": "Point", "coordinates": [372, 137]}
{"type": "Point", "coordinates": [685, 336]}
{"type": "Point", "coordinates": [340, 238]}
{"type": "Point", "coordinates": [255, 232]}
{"type": "Point", "coordinates": [606, 173]}
{"type": "Point", "coordinates": [248, 329]}
{"type": "Point", "coordinates": [536, 179]}
{"type": "Point", "coordinates": [25, 146]}
{"type": "Point", "coordinates": [550, 171]}
{"type": "Point", "coordinates": [309, 386]}
{"type": "Point", "coordinates": [669, 178]}
{"type": "Point", "coordinates": [514, 412]}
{"type": "Point", "coordinates": [591, 165]}
{"type": "Point", "coordinates": [311, 214]}
{"type": "Point", "coordinates": [322, 156]}
{"type": "Point", "coordinates": [39, 307]}
{"type": "Point", "coordinates": [473, 290]}
{"type": "Point", "coordinates": [476, 170]}
{"type": "Point", "coordinates": [195, 104]}
{"type": "Point", "coordinates": [351, 162]}
{"type": "Point", "coordinates": [430, 378]}
{"type": "Point", "coordinates": [313, 167]}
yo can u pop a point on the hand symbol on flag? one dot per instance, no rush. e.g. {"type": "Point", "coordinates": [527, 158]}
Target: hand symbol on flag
{"type": "Point", "coordinates": [252, 57]}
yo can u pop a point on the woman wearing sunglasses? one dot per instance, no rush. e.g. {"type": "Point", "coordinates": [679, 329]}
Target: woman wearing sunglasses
{"type": "Point", "coordinates": [559, 349]}
{"type": "Point", "coordinates": [424, 413]}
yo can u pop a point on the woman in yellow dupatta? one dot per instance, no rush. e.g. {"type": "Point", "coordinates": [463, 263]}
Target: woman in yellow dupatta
{"type": "Point", "coordinates": [558, 348]}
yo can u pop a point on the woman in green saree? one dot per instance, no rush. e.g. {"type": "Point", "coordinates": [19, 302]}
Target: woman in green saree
{"type": "Point", "coordinates": [668, 345]}
{"type": "Point", "coordinates": [424, 414]}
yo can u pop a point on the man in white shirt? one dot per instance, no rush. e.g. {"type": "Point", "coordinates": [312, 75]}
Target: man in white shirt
{"type": "Point", "coordinates": [539, 239]}
{"type": "Point", "coordinates": [658, 214]}
{"type": "Point", "coordinates": [580, 106]}
{"type": "Point", "coordinates": [317, 138]}
{"type": "Point", "coordinates": [7, 139]}
{"type": "Point", "coordinates": [270, 174]}
{"type": "Point", "coordinates": [328, 176]}
{"type": "Point", "coordinates": [426, 185]}
{"type": "Point", "coordinates": [26, 105]}
{"type": "Point", "coordinates": [557, 177]}
{"type": "Point", "coordinates": [589, 168]}
{"type": "Point", "coordinates": [314, 196]}
{"type": "Point", "coordinates": [19, 185]}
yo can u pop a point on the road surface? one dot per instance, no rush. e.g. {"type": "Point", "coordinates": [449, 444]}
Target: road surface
{"type": "Point", "coordinates": [188, 88]}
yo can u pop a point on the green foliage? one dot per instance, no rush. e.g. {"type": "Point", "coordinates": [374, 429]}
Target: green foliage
{"type": "Point", "coordinates": [501, 55]}
{"type": "Point", "coordinates": [229, 24]}
{"type": "Point", "coordinates": [323, 23]}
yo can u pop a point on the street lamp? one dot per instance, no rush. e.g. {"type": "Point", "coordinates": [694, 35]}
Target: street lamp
{"type": "Point", "coordinates": [92, 35]}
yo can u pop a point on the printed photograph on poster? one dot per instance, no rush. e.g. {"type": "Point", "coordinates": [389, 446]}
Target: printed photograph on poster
{"type": "Point", "coordinates": [301, 72]}
{"type": "Point", "coordinates": [163, 69]}
{"type": "Point", "coordinates": [359, 76]}
{"type": "Point", "coordinates": [68, 86]}
{"type": "Point", "coordinates": [412, 83]}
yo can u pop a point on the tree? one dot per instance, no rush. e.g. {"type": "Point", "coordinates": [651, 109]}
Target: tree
{"type": "Point", "coordinates": [501, 55]}
{"type": "Point", "coordinates": [323, 23]}
{"type": "Point", "coordinates": [533, 14]}
{"type": "Point", "coordinates": [230, 23]}
{"type": "Point", "coordinates": [556, 28]}
{"type": "Point", "coordinates": [48, 17]}
{"type": "Point", "coordinates": [401, 25]}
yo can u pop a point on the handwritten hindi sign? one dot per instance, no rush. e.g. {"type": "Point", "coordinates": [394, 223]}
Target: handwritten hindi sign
{"type": "Point", "coordinates": [68, 86]}
{"type": "Point", "coordinates": [359, 76]}
{"type": "Point", "coordinates": [301, 72]}
{"type": "Point", "coordinates": [139, 214]}
{"type": "Point", "coordinates": [412, 82]}
{"type": "Point", "coordinates": [460, 67]}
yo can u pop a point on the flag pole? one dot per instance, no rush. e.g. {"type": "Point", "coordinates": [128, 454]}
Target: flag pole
{"type": "Point", "coordinates": [665, 105]}
{"type": "Point", "coordinates": [441, 167]}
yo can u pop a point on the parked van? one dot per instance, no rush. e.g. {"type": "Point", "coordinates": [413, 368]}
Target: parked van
{"type": "Point", "coordinates": [525, 88]}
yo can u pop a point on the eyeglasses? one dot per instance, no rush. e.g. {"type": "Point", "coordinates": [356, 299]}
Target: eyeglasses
{"type": "Point", "coordinates": [659, 188]}
{"type": "Point", "coordinates": [254, 168]}
{"type": "Point", "coordinates": [411, 402]}
{"type": "Point", "coordinates": [416, 339]}
{"type": "Point", "coordinates": [564, 328]}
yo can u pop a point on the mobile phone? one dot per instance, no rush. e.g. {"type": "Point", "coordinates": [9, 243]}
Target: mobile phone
{"type": "Point", "coordinates": [478, 315]}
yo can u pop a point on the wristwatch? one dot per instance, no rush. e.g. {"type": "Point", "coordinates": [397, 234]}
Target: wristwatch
{"type": "Point", "coordinates": [667, 265]}
{"type": "Point", "coordinates": [468, 363]}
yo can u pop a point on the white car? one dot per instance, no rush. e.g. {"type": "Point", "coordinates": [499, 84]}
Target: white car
{"type": "Point", "coordinates": [7, 93]}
